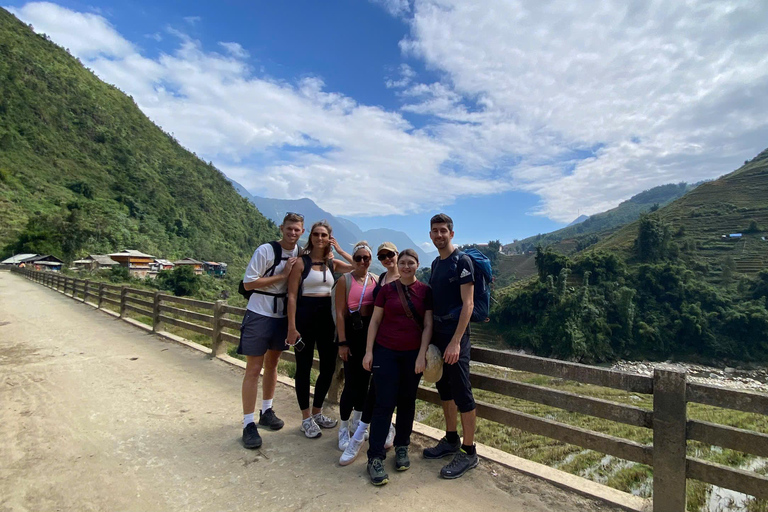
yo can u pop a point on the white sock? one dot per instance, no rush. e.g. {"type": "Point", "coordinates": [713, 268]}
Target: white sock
{"type": "Point", "coordinates": [356, 415]}
{"type": "Point", "coordinates": [360, 432]}
{"type": "Point", "coordinates": [247, 418]}
{"type": "Point", "coordinates": [266, 404]}
{"type": "Point", "coordinates": [344, 424]}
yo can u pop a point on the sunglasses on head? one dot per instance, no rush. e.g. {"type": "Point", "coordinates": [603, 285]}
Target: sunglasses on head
{"type": "Point", "coordinates": [296, 214]}
{"type": "Point", "coordinates": [384, 255]}
{"type": "Point", "coordinates": [361, 257]}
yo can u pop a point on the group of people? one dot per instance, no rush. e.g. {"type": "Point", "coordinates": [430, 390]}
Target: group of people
{"type": "Point", "coordinates": [381, 328]}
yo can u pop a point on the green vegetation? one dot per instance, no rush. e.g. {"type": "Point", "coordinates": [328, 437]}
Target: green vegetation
{"type": "Point", "coordinates": [83, 170]}
{"type": "Point", "coordinates": [668, 285]}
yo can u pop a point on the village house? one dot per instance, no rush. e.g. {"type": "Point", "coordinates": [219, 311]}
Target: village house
{"type": "Point", "coordinates": [215, 269]}
{"type": "Point", "coordinates": [137, 263]}
{"type": "Point", "coordinates": [36, 261]}
{"type": "Point", "coordinates": [47, 262]}
{"type": "Point", "coordinates": [95, 262]}
{"type": "Point", "coordinates": [196, 265]}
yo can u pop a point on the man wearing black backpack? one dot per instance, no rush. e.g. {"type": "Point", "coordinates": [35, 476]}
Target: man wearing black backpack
{"type": "Point", "coordinates": [265, 327]}
{"type": "Point", "coordinates": [453, 283]}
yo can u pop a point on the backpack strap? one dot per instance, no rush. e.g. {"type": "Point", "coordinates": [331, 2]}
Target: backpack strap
{"type": "Point", "coordinates": [277, 250]}
{"type": "Point", "coordinates": [410, 309]}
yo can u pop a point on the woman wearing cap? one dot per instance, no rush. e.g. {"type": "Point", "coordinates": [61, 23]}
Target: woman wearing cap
{"type": "Point", "coordinates": [398, 337]}
{"type": "Point", "coordinates": [354, 307]}
{"type": "Point", "coordinates": [387, 255]}
{"type": "Point", "coordinates": [310, 320]}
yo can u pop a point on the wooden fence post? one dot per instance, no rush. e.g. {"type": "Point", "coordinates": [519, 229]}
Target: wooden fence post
{"type": "Point", "coordinates": [217, 347]}
{"type": "Point", "coordinates": [66, 283]}
{"type": "Point", "coordinates": [101, 295]}
{"type": "Point", "coordinates": [85, 290]}
{"type": "Point", "coordinates": [156, 323]}
{"type": "Point", "coordinates": [669, 445]}
{"type": "Point", "coordinates": [337, 384]}
{"type": "Point", "coordinates": [123, 299]}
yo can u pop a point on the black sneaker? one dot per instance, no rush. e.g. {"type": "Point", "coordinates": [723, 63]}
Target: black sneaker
{"type": "Point", "coordinates": [441, 449]}
{"type": "Point", "coordinates": [402, 462]}
{"type": "Point", "coordinates": [251, 437]}
{"type": "Point", "coordinates": [461, 463]}
{"type": "Point", "coordinates": [376, 472]}
{"type": "Point", "coordinates": [270, 419]}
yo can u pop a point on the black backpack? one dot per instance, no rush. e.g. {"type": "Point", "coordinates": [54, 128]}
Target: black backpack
{"type": "Point", "coordinates": [278, 250]}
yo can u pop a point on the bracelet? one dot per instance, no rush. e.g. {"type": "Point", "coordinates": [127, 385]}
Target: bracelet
{"type": "Point", "coordinates": [342, 343]}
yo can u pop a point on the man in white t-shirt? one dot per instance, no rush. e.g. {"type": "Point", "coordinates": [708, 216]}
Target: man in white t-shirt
{"type": "Point", "coordinates": [265, 326]}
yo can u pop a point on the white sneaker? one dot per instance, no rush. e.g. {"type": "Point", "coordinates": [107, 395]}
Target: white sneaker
{"type": "Point", "coordinates": [343, 438]}
{"type": "Point", "coordinates": [390, 442]}
{"type": "Point", "coordinates": [350, 453]}
{"type": "Point", "coordinates": [324, 421]}
{"type": "Point", "coordinates": [310, 428]}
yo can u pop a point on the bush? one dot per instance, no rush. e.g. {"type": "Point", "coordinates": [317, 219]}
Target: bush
{"type": "Point", "coordinates": [181, 281]}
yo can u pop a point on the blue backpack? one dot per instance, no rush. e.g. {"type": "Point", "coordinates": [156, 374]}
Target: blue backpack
{"type": "Point", "coordinates": [483, 279]}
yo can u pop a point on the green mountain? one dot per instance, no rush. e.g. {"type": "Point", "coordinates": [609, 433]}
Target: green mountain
{"type": "Point", "coordinates": [676, 283]}
{"type": "Point", "coordinates": [587, 230]}
{"type": "Point", "coordinates": [83, 170]}
{"type": "Point", "coordinates": [702, 221]}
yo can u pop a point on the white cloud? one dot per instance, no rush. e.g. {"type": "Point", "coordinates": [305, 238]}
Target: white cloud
{"type": "Point", "coordinates": [350, 158]}
{"type": "Point", "coordinates": [235, 49]}
{"type": "Point", "coordinates": [394, 7]}
{"type": "Point", "coordinates": [662, 92]}
{"type": "Point", "coordinates": [86, 35]}
{"type": "Point", "coordinates": [193, 20]}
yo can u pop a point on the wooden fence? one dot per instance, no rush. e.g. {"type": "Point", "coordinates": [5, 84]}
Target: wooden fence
{"type": "Point", "coordinates": [670, 389]}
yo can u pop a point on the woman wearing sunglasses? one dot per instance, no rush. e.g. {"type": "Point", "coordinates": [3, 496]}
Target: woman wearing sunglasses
{"type": "Point", "coordinates": [387, 255]}
{"type": "Point", "coordinates": [354, 306]}
{"type": "Point", "coordinates": [398, 337]}
{"type": "Point", "coordinates": [310, 324]}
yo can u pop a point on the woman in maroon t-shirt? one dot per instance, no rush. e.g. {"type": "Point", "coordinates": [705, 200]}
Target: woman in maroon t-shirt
{"type": "Point", "coordinates": [398, 337]}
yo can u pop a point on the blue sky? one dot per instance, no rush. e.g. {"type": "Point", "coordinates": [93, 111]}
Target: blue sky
{"type": "Point", "coordinates": [513, 117]}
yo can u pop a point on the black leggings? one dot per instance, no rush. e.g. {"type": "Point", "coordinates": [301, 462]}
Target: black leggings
{"type": "Point", "coordinates": [358, 391]}
{"type": "Point", "coordinates": [396, 386]}
{"type": "Point", "coordinates": [315, 324]}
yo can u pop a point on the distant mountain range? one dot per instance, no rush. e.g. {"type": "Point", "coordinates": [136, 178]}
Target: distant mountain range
{"type": "Point", "coordinates": [344, 230]}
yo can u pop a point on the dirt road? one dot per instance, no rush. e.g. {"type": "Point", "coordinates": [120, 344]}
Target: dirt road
{"type": "Point", "coordinates": [97, 415]}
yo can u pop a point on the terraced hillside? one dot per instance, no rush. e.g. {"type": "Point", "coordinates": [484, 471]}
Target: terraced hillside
{"type": "Point", "coordinates": [701, 218]}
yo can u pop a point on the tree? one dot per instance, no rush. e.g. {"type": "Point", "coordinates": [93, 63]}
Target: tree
{"type": "Point", "coordinates": [653, 241]}
{"type": "Point", "coordinates": [182, 280]}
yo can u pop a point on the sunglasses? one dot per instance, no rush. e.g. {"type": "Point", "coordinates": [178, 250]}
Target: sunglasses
{"type": "Point", "coordinates": [360, 258]}
{"type": "Point", "coordinates": [296, 214]}
{"type": "Point", "coordinates": [386, 255]}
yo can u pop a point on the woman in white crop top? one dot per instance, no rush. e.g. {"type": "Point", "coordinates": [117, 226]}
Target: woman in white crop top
{"type": "Point", "coordinates": [310, 320]}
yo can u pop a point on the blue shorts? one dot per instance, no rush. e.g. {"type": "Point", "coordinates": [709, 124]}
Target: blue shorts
{"type": "Point", "coordinates": [259, 333]}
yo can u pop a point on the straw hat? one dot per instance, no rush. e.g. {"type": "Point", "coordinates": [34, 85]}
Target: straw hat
{"type": "Point", "coordinates": [434, 369]}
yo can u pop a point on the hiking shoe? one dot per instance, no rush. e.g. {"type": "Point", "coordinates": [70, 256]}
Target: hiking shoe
{"type": "Point", "coordinates": [390, 441]}
{"type": "Point", "coordinates": [402, 462]}
{"type": "Point", "coordinates": [324, 421]}
{"type": "Point", "coordinates": [270, 419]}
{"type": "Point", "coordinates": [350, 452]}
{"type": "Point", "coordinates": [343, 438]}
{"type": "Point", "coordinates": [376, 472]}
{"type": "Point", "coordinates": [251, 437]}
{"type": "Point", "coordinates": [441, 449]}
{"type": "Point", "coordinates": [461, 463]}
{"type": "Point", "coordinates": [310, 428]}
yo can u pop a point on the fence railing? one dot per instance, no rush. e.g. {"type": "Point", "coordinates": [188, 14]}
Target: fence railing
{"type": "Point", "coordinates": [670, 389]}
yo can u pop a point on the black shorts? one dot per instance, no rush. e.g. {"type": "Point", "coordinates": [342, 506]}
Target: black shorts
{"type": "Point", "coordinates": [454, 384]}
{"type": "Point", "coordinates": [259, 333]}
